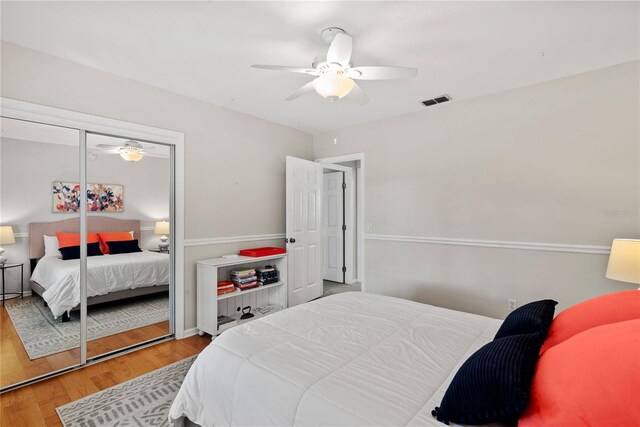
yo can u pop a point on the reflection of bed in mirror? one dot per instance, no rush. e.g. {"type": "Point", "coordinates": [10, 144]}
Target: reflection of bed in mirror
{"type": "Point", "coordinates": [109, 277]}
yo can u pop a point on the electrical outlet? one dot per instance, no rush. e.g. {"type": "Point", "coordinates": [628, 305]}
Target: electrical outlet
{"type": "Point", "coordinates": [512, 304]}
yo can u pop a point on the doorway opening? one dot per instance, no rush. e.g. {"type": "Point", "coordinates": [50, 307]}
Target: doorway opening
{"type": "Point", "coordinates": [342, 243]}
{"type": "Point", "coordinates": [325, 217]}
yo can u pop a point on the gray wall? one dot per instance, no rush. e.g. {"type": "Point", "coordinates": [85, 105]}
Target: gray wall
{"type": "Point", "coordinates": [234, 162]}
{"type": "Point", "coordinates": [546, 164]}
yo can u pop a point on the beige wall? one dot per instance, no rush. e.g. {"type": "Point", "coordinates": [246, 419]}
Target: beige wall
{"type": "Point", "coordinates": [234, 162]}
{"type": "Point", "coordinates": [546, 163]}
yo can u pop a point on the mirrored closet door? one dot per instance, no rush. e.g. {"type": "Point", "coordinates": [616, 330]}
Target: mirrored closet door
{"type": "Point", "coordinates": [86, 230]}
{"type": "Point", "coordinates": [40, 325]}
{"type": "Point", "coordinates": [129, 274]}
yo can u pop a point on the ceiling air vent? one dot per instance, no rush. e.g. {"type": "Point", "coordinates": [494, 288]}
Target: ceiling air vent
{"type": "Point", "coordinates": [435, 101]}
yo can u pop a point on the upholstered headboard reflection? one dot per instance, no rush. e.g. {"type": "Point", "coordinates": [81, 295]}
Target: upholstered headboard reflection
{"type": "Point", "coordinates": [94, 224]}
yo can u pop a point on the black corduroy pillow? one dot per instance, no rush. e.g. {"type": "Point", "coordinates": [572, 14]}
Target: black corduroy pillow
{"type": "Point", "coordinates": [533, 317]}
{"type": "Point", "coordinates": [494, 384]}
{"type": "Point", "coordinates": [73, 252]}
{"type": "Point", "coordinates": [123, 247]}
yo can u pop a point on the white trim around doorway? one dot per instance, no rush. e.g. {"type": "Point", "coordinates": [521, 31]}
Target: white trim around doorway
{"type": "Point", "coordinates": [360, 209]}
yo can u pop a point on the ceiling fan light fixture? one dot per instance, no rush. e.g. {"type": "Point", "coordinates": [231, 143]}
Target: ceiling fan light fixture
{"type": "Point", "coordinates": [333, 86]}
{"type": "Point", "coordinates": [131, 154]}
{"type": "Point", "coordinates": [335, 72]}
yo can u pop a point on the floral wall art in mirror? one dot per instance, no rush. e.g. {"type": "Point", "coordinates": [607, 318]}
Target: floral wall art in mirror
{"type": "Point", "coordinates": [100, 197]}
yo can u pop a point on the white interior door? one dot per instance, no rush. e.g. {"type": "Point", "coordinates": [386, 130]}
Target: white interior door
{"type": "Point", "coordinates": [304, 230]}
{"type": "Point", "coordinates": [333, 220]}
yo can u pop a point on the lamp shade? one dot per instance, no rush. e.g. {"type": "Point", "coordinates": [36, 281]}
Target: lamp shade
{"type": "Point", "coordinates": [162, 227]}
{"type": "Point", "coordinates": [624, 261]}
{"type": "Point", "coordinates": [6, 235]}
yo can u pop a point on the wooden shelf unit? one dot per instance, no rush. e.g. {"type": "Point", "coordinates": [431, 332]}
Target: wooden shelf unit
{"type": "Point", "coordinates": [210, 305]}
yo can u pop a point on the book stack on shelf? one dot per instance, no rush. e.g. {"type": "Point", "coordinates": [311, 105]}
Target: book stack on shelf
{"type": "Point", "coordinates": [267, 275]}
{"type": "Point", "coordinates": [244, 279]}
{"type": "Point", "coordinates": [225, 287]}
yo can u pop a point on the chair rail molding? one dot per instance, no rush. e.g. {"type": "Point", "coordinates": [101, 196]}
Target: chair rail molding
{"type": "Point", "coordinates": [233, 239]}
{"type": "Point", "coordinates": [499, 244]}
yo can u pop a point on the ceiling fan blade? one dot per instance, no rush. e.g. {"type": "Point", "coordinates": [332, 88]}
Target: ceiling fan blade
{"type": "Point", "coordinates": [113, 150]}
{"type": "Point", "coordinates": [106, 146]}
{"type": "Point", "coordinates": [301, 91]}
{"type": "Point", "coordinates": [357, 95]}
{"type": "Point", "coordinates": [381, 73]}
{"type": "Point", "coordinates": [340, 50]}
{"type": "Point", "coordinates": [105, 149]}
{"type": "Point", "coordinates": [310, 71]}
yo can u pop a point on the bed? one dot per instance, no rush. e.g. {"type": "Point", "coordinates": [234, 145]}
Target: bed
{"type": "Point", "coordinates": [109, 277]}
{"type": "Point", "coordinates": [348, 359]}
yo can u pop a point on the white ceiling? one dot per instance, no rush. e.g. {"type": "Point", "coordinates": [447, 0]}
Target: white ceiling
{"type": "Point", "coordinates": [205, 49]}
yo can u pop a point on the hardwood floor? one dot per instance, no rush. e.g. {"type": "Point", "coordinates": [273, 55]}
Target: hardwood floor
{"type": "Point", "coordinates": [16, 366]}
{"type": "Point", "coordinates": [35, 405]}
{"type": "Point", "coordinates": [127, 338]}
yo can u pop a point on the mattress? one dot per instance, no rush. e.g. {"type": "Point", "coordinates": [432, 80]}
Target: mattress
{"type": "Point", "coordinates": [353, 359]}
{"type": "Point", "coordinates": [105, 274]}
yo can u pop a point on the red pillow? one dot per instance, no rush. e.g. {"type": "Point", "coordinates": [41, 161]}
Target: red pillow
{"type": "Point", "coordinates": [610, 308]}
{"type": "Point", "coordinates": [73, 239]}
{"type": "Point", "coordinates": [591, 379]}
{"type": "Point", "coordinates": [112, 236]}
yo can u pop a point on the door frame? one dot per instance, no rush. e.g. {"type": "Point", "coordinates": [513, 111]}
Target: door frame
{"type": "Point", "coordinates": [349, 218]}
{"type": "Point", "coordinates": [360, 196]}
{"type": "Point", "coordinates": [27, 111]}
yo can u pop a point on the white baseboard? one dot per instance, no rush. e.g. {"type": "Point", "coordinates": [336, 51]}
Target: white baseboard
{"type": "Point", "coordinates": [9, 297]}
{"type": "Point", "coordinates": [189, 333]}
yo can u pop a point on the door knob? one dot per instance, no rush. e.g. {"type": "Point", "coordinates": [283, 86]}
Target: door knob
{"type": "Point", "coordinates": [292, 240]}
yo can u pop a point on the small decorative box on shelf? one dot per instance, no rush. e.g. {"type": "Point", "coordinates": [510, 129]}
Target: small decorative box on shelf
{"type": "Point", "coordinates": [262, 252]}
{"type": "Point", "coordinates": [263, 299]}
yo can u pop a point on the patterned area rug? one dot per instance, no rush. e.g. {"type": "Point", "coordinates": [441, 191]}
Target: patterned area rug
{"type": "Point", "coordinates": [142, 401]}
{"type": "Point", "coordinates": [42, 335]}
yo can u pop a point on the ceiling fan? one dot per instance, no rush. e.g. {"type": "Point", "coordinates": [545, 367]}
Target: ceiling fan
{"type": "Point", "coordinates": [131, 151]}
{"type": "Point", "coordinates": [334, 73]}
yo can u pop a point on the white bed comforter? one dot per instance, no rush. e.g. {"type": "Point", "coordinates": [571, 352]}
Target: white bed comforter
{"type": "Point", "coordinates": [106, 273]}
{"type": "Point", "coordinates": [352, 359]}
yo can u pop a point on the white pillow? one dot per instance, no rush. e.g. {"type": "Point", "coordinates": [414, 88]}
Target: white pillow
{"type": "Point", "coordinates": [51, 247]}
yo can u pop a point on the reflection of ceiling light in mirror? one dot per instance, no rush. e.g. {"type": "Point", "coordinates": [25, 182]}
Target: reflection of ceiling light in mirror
{"type": "Point", "coordinates": [131, 154]}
